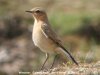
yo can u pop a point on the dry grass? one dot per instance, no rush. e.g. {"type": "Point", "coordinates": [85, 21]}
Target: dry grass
{"type": "Point", "coordinates": [82, 69]}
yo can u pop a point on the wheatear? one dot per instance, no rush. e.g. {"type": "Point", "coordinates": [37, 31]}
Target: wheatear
{"type": "Point", "coordinates": [44, 37]}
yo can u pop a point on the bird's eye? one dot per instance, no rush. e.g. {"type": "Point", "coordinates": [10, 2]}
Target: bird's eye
{"type": "Point", "coordinates": [37, 11]}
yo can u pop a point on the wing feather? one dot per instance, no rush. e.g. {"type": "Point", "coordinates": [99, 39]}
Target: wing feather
{"type": "Point", "coordinates": [49, 33]}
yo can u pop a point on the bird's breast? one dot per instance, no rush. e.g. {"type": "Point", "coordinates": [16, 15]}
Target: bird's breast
{"type": "Point", "coordinates": [41, 41]}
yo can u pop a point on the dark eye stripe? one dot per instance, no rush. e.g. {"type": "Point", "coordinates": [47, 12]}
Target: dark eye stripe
{"type": "Point", "coordinates": [38, 11]}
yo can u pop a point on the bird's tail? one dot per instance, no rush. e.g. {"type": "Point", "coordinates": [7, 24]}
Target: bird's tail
{"type": "Point", "coordinates": [68, 54]}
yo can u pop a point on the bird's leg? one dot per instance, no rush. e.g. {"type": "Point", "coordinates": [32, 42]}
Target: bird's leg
{"type": "Point", "coordinates": [54, 61]}
{"type": "Point", "coordinates": [47, 56]}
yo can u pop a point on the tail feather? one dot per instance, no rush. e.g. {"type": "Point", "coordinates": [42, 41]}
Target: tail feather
{"type": "Point", "coordinates": [69, 55]}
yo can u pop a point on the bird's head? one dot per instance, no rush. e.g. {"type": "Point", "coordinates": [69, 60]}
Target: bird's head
{"type": "Point", "coordinates": [38, 13]}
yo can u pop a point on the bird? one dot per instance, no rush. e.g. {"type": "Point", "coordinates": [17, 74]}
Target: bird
{"type": "Point", "coordinates": [44, 36]}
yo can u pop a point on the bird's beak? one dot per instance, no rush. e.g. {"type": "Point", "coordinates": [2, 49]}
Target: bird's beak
{"type": "Point", "coordinates": [29, 11]}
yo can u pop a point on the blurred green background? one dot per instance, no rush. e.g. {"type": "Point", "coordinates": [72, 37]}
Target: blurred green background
{"type": "Point", "coordinates": [76, 21]}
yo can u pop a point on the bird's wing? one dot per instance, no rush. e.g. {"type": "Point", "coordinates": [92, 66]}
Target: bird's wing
{"type": "Point", "coordinates": [50, 34]}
